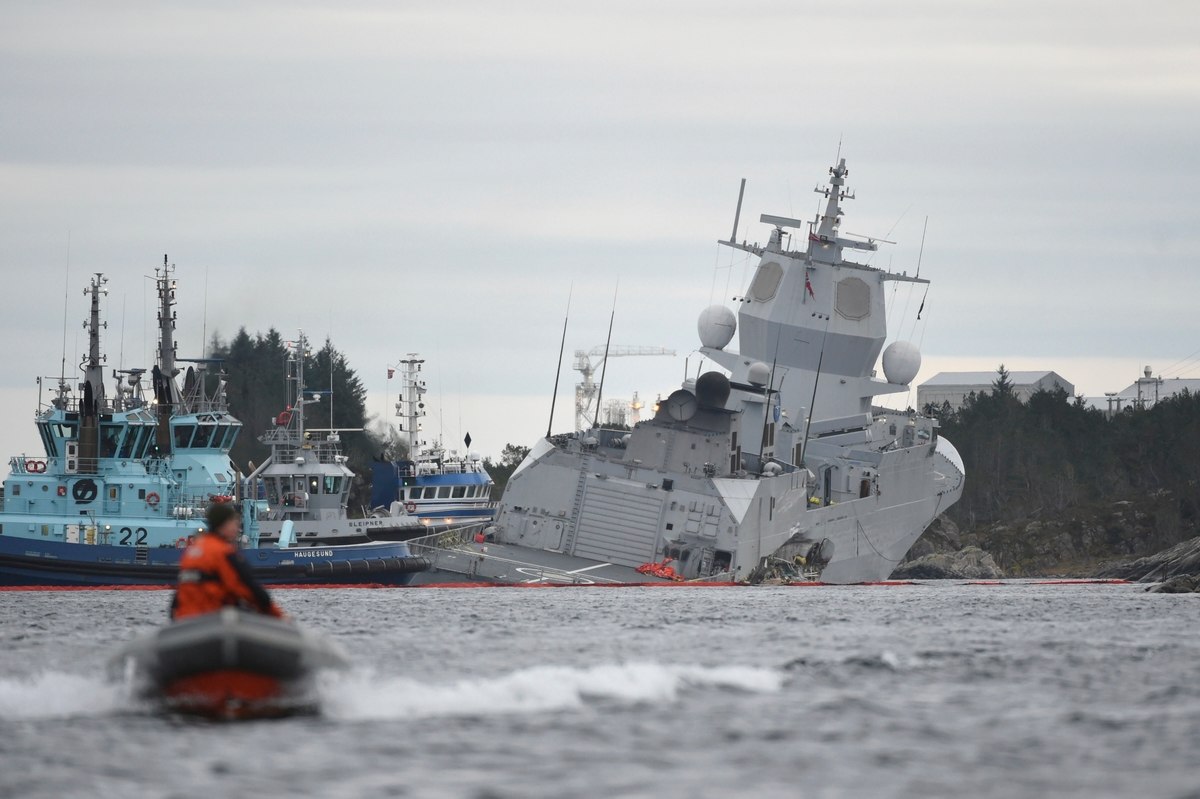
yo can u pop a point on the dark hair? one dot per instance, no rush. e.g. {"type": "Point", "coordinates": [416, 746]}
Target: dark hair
{"type": "Point", "coordinates": [217, 514]}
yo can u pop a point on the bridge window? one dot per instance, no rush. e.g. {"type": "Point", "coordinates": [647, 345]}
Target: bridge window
{"type": "Point", "coordinates": [205, 434]}
{"type": "Point", "coordinates": [333, 485]}
{"type": "Point", "coordinates": [128, 445]}
{"type": "Point", "coordinates": [63, 430]}
{"type": "Point", "coordinates": [460, 492]}
{"type": "Point", "coordinates": [110, 438]}
{"type": "Point", "coordinates": [145, 442]}
{"type": "Point", "coordinates": [48, 440]}
{"type": "Point", "coordinates": [183, 435]}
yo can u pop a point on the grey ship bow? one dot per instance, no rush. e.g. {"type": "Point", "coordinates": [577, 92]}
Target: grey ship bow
{"type": "Point", "coordinates": [785, 463]}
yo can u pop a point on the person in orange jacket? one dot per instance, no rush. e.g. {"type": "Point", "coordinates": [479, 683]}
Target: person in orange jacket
{"type": "Point", "coordinates": [213, 574]}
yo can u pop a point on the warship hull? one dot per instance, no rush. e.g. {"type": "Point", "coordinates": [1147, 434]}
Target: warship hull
{"type": "Point", "coordinates": [27, 562]}
{"type": "Point", "coordinates": [631, 520]}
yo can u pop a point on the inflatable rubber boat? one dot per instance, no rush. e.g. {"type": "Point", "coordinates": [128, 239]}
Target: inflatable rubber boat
{"type": "Point", "coordinates": [229, 664]}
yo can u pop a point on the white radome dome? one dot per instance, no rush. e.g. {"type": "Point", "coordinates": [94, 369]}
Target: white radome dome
{"type": "Point", "coordinates": [716, 326]}
{"type": "Point", "coordinates": [901, 362]}
{"type": "Point", "coordinates": [758, 374]}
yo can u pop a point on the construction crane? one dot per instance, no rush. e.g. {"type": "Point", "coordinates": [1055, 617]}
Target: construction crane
{"type": "Point", "coordinates": [587, 362]}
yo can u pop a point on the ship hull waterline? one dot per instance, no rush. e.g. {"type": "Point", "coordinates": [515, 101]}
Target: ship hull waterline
{"type": "Point", "coordinates": [26, 562]}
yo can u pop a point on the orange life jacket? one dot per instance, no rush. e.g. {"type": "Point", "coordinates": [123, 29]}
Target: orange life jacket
{"type": "Point", "coordinates": [213, 575]}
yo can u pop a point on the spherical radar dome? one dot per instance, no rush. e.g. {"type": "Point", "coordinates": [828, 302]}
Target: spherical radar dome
{"type": "Point", "coordinates": [901, 362]}
{"type": "Point", "coordinates": [716, 326]}
{"type": "Point", "coordinates": [758, 374]}
{"type": "Point", "coordinates": [712, 390]}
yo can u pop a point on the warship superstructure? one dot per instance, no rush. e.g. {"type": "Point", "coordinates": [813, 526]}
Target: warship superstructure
{"type": "Point", "coordinates": [123, 481]}
{"type": "Point", "coordinates": [779, 463]}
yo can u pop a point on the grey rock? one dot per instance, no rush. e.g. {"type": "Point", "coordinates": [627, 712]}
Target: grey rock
{"type": "Point", "coordinates": [1179, 584]}
{"type": "Point", "coordinates": [1181, 559]}
{"type": "Point", "coordinates": [942, 535]}
{"type": "Point", "coordinates": [970, 563]}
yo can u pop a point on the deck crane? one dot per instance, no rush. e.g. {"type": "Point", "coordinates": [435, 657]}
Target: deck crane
{"type": "Point", "coordinates": [587, 362]}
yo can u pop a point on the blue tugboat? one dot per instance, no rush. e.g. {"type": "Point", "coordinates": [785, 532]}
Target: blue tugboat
{"type": "Point", "coordinates": [124, 481]}
{"type": "Point", "coordinates": [443, 488]}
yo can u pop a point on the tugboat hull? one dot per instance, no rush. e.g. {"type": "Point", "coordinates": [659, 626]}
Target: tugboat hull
{"type": "Point", "coordinates": [26, 562]}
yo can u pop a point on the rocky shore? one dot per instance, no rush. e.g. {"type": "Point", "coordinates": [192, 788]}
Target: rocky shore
{"type": "Point", "coordinates": [1120, 540]}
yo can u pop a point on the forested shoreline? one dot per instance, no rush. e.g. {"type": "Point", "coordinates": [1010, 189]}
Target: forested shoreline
{"type": "Point", "coordinates": [1054, 486]}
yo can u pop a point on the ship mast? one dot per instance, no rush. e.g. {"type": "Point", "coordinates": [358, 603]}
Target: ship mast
{"type": "Point", "coordinates": [295, 376]}
{"type": "Point", "coordinates": [166, 392]}
{"type": "Point", "coordinates": [93, 376]}
{"type": "Point", "coordinates": [93, 379]}
{"type": "Point", "coordinates": [411, 407]}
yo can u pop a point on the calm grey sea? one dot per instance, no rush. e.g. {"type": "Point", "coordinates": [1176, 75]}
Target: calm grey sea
{"type": "Point", "coordinates": [921, 691]}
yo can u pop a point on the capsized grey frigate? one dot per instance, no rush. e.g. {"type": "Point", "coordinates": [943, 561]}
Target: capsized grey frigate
{"type": "Point", "coordinates": [784, 463]}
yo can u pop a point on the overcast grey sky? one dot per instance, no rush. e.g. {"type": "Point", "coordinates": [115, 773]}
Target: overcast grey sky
{"type": "Point", "coordinates": [433, 177]}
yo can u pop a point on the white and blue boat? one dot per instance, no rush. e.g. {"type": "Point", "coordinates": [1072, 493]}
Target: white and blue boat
{"type": "Point", "coordinates": [306, 479]}
{"type": "Point", "coordinates": [442, 487]}
{"type": "Point", "coordinates": [123, 481]}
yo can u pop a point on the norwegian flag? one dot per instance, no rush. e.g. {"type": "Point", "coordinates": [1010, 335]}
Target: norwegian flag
{"type": "Point", "coordinates": [391, 373]}
{"type": "Point", "coordinates": [808, 286]}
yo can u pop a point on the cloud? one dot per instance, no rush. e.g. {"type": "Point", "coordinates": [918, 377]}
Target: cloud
{"type": "Point", "coordinates": [435, 178]}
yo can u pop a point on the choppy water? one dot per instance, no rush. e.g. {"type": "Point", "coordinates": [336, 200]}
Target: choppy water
{"type": "Point", "coordinates": [939, 690]}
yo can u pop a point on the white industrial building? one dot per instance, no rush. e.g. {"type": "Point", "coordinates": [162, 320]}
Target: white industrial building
{"type": "Point", "coordinates": [955, 387]}
{"type": "Point", "coordinates": [1144, 392]}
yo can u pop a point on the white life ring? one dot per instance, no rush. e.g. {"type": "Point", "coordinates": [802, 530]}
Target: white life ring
{"type": "Point", "coordinates": [410, 506]}
{"type": "Point", "coordinates": [35, 466]}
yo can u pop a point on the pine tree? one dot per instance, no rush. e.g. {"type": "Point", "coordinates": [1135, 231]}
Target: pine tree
{"type": "Point", "coordinates": [1003, 384]}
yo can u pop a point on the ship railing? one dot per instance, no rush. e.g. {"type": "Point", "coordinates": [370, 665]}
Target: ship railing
{"type": "Point", "coordinates": [186, 505]}
{"type": "Point", "coordinates": [286, 452]}
{"type": "Point", "coordinates": [449, 467]}
{"type": "Point", "coordinates": [197, 405]}
{"type": "Point", "coordinates": [88, 465]}
{"type": "Point", "coordinates": [156, 466]}
{"type": "Point", "coordinates": [454, 538]}
{"type": "Point", "coordinates": [24, 464]}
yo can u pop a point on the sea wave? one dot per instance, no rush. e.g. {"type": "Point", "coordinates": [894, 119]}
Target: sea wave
{"type": "Point", "coordinates": [362, 695]}
{"type": "Point", "coordinates": [58, 695]}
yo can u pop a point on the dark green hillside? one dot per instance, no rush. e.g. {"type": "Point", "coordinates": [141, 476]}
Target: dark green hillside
{"type": "Point", "coordinates": [1054, 486]}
